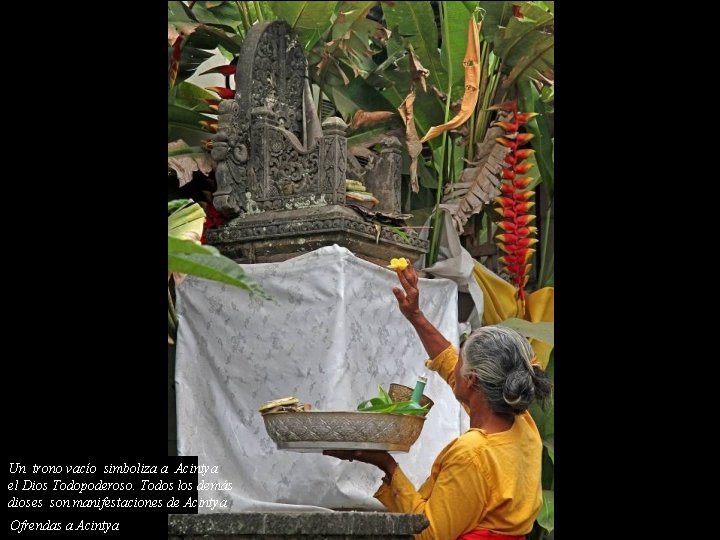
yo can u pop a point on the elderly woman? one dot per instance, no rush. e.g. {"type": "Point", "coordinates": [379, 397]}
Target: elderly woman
{"type": "Point", "coordinates": [485, 483]}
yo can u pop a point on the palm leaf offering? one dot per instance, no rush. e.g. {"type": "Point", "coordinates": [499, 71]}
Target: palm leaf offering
{"type": "Point", "coordinates": [384, 404]}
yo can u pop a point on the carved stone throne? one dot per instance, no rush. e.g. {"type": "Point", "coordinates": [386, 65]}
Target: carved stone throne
{"type": "Point", "coordinates": [281, 175]}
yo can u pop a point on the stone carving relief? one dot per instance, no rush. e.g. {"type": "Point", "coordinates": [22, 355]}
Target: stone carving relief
{"type": "Point", "coordinates": [270, 143]}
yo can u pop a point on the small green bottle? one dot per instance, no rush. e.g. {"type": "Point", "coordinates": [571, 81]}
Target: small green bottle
{"type": "Point", "coordinates": [419, 389]}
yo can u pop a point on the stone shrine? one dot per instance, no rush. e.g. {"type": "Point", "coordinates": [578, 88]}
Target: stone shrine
{"type": "Point", "coordinates": [281, 174]}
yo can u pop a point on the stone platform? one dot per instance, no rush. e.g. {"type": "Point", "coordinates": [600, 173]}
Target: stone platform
{"type": "Point", "coordinates": [296, 526]}
{"type": "Point", "coordinates": [275, 236]}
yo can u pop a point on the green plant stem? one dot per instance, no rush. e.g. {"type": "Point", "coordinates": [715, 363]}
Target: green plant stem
{"type": "Point", "coordinates": [259, 14]}
{"type": "Point", "coordinates": [437, 217]}
{"type": "Point", "coordinates": [183, 151]}
{"type": "Point", "coordinates": [470, 155]}
{"type": "Point", "coordinates": [172, 315]}
{"type": "Point", "coordinates": [488, 97]}
{"type": "Point", "coordinates": [451, 151]}
{"type": "Point", "coordinates": [172, 326]}
{"type": "Point", "coordinates": [242, 6]}
{"type": "Point", "coordinates": [494, 80]}
{"type": "Point", "coordinates": [484, 74]}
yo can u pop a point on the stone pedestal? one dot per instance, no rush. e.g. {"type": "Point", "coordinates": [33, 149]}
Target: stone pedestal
{"type": "Point", "coordinates": [296, 526]}
{"type": "Point", "coordinates": [276, 236]}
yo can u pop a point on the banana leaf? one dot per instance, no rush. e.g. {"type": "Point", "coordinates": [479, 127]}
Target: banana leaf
{"type": "Point", "coordinates": [546, 519]}
{"type": "Point", "coordinates": [530, 101]}
{"type": "Point", "coordinates": [308, 19]}
{"type": "Point", "coordinates": [544, 331]}
{"type": "Point", "coordinates": [454, 45]}
{"type": "Point", "coordinates": [416, 22]}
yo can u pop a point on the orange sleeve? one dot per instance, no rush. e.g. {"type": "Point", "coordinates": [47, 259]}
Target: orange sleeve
{"type": "Point", "coordinates": [444, 363]}
{"type": "Point", "coordinates": [455, 505]}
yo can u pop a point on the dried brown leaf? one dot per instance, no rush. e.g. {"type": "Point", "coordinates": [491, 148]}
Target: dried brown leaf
{"type": "Point", "coordinates": [456, 106]}
{"type": "Point", "coordinates": [477, 186]}
{"type": "Point", "coordinates": [184, 165]}
{"type": "Point", "coordinates": [360, 150]}
{"type": "Point", "coordinates": [365, 118]}
{"type": "Point", "coordinates": [172, 34]}
{"type": "Point", "coordinates": [382, 34]}
{"type": "Point", "coordinates": [483, 149]}
{"type": "Point", "coordinates": [341, 72]}
{"type": "Point", "coordinates": [472, 78]}
{"type": "Point", "coordinates": [442, 96]}
{"type": "Point", "coordinates": [417, 71]}
{"type": "Point", "coordinates": [414, 146]}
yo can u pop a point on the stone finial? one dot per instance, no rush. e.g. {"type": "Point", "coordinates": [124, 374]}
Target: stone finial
{"type": "Point", "coordinates": [391, 144]}
{"type": "Point", "coordinates": [334, 126]}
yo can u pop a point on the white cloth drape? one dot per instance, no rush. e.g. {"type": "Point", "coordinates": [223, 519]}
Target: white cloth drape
{"type": "Point", "coordinates": [331, 334]}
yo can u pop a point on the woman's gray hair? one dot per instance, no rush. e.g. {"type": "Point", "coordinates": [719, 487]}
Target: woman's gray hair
{"type": "Point", "coordinates": [503, 362]}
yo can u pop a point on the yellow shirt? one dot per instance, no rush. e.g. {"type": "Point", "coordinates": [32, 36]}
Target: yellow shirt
{"type": "Point", "coordinates": [478, 481]}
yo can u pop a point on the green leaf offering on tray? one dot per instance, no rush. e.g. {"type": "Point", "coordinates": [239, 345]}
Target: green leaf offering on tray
{"type": "Point", "coordinates": [384, 404]}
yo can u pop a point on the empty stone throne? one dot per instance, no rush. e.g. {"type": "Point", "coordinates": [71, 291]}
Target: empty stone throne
{"type": "Point", "coordinates": [281, 174]}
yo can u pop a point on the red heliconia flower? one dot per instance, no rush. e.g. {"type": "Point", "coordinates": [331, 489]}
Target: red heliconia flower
{"type": "Point", "coordinates": [522, 183]}
{"type": "Point", "coordinates": [506, 142]}
{"type": "Point", "coordinates": [524, 153]}
{"type": "Point", "coordinates": [524, 220]}
{"type": "Point", "coordinates": [522, 168]}
{"type": "Point", "coordinates": [505, 202]}
{"type": "Point", "coordinates": [213, 219]}
{"type": "Point", "coordinates": [509, 248]}
{"type": "Point", "coordinates": [514, 203]}
{"type": "Point", "coordinates": [214, 104]}
{"type": "Point", "coordinates": [517, 12]}
{"type": "Point", "coordinates": [508, 226]}
{"type": "Point", "coordinates": [527, 242]}
{"type": "Point", "coordinates": [210, 125]}
{"type": "Point", "coordinates": [522, 195]}
{"type": "Point", "coordinates": [525, 231]}
{"type": "Point", "coordinates": [519, 269]}
{"type": "Point", "coordinates": [523, 207]}
{"type": "Point", "coordinates": [506, 106]}
{"type": "Point", "coordinates": [519, 240]}
{"type": "Point", "coordinates": [505, 212]}
{"type": "Point", "coordinates": [224, 70]}
{"type": "Point", "coordinates": [507, 126]}
{"type": "Point", "coordinates": [524, 117]}
{"type": "Point", "coordinates": [522, 138]}
{"type": "Point", "coordinates": [507, 237]}
{"type": "Point", "coordinates": [221, 91]}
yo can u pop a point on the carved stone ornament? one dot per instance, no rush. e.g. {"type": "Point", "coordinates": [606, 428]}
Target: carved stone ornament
{"type": "Point", "coordinates": [281, 174]}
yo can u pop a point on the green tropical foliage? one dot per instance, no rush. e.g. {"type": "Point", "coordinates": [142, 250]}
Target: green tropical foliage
{"type": "Point", "coordinates": [545, 420]}
{"type": "Point", "coordinates": [187, 256]}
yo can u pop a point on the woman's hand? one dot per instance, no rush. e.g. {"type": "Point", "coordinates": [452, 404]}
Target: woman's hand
{"type": "Point", "coordinates": [409, 300]}
{"type": "Point", "coordinates": [379, 458]}
{"type": "Point", "coordinates": [409, 303]}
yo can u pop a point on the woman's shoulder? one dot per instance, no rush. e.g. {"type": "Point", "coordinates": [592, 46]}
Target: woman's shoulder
{"type": "Point", "coordinates": [466, 447]}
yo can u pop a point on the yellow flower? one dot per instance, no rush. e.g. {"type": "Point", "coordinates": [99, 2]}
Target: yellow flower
{"type": "Point", "coordinates": [399, 264]}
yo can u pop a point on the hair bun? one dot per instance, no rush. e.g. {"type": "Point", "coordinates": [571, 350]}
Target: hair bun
{"type": "Point", "coordinates": [519, 389]}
